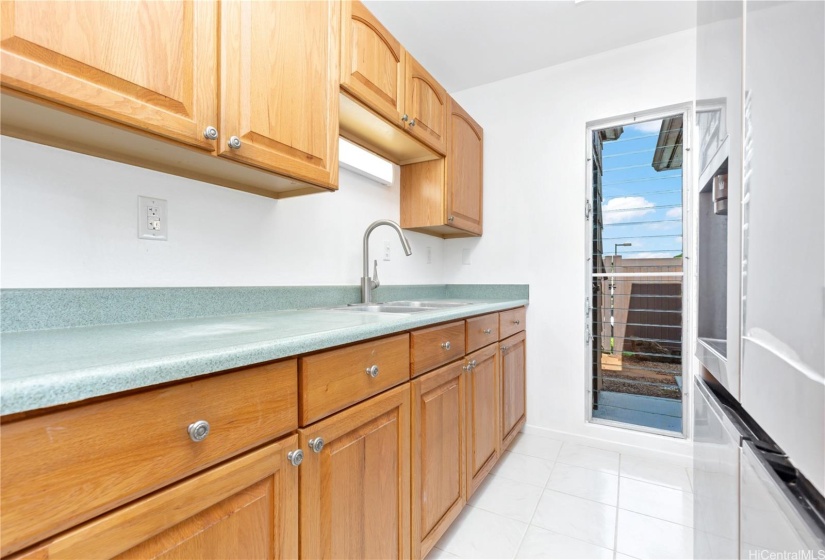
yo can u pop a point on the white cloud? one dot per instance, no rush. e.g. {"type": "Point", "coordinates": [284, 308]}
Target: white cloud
{"type": "Point", "coordinates": [648, 127]}
{"type": "Point", "coordinates": [626, 209]}
{"type": "Point", "coordinates": [674, 213]}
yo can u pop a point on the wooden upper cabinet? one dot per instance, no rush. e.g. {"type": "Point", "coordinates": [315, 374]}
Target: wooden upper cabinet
{"type": "Point", "coordinates": [464, 170]}
{"type": "Point", "coordinates": [279, 85]}
{"type": "Point", "coordinates": [372, 62]}
{"type": "Point", "coordinates": [426, 106]}
{"type": "Point", "coordinates": [355, 490]}
{"type": "Point", "coordinates": [444, 197]}
{"type": "Point", "coordinates": [149, 65]}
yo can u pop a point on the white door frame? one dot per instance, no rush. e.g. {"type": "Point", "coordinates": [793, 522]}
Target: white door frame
{"type": "Point", "coordinates": [689, 203]}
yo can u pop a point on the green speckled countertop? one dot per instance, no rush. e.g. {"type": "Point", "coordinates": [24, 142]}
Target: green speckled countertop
{"type": "Point", "coordinates": [43, 368]}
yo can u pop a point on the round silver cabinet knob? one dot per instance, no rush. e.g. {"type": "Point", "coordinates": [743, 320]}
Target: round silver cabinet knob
{"type": "Point", "coordinates": [412, 122]}
{"type": "Point", "coordinates": [372, 371]}
{"type": "Point", "coordinates": [468, 367]}
{"type": "Point", "coordinates": [445, 345]}
{"type": "Point", "coordinates": [316, 444]}
{"type": "Point", "coordinates": [503, 348]}
{"type": "Point", "coordinates": [234, 142]}
{"type": "Point", "coordinates": [488, 331]}
{"type": "Point", "coordinates": [198, 430]}
{"type": "Point", "coordinates": [473, 363]}
{"type": "Point", "coordinates": [516, 322]}
{"type": "Point", "coordinates": [405, 118]}
{"type": "Point", "coordinates": [295, 457]}
{"type": "Point", "coordinates": [451, 219]}
{"type": "Point", "coordinates": [210, 133]}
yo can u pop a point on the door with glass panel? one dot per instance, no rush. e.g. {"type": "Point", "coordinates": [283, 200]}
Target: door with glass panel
{"type": "Point", "coordinates": [636, 271]}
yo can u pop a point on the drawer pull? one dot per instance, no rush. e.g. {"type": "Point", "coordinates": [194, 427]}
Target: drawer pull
{"type": "Point", "coordinates": [316, 444]}
{"type": "Point", "coordinates": [372, 371]}
{"type": "Point", "coordinates": [488, 331]}
{"type": "Point", "coordinates": [198, 430]}
{"type": "Point", "coordinates": [445, 345]}
{"type": "Point", "coordinates": [295, 458]}
{"type": "Point", "coordinates": [516, 322]}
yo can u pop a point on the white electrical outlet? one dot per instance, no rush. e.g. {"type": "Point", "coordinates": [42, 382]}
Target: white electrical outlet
{"type": "Point", "coordinates": [429, 255]}
{"type": "Point", "coordinates": [386, 250]}
{"type": "Point", "coordinates": [152, 218]}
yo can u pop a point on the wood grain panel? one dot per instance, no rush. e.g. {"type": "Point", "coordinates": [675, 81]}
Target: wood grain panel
{"type": "Point", "coordinates": [426, 104]}
{"type": "Point", "coordinates": [482, 331]}
{"type": "Point", "coordinates": [512, 321]}
{"type": "Point", "coordinates": [355, 493]}
{"type": "Point", "coordinates": [246, 508]}
{"type": "Point", "coordinates": [333, 380]}
{"type": "Point", "coordinates": [63, 468]}
{"type": "Point", "coordinates": [279, 86]}
{"type": "Point", "coordinates": [150, 65]}
{"type": "Point", "coordinates": [483, 420]}
{"type": "Point", "coordinates": [438, 454]}
{"type": "Point", "coordinates": [422, 194]}
{"type": "Point", "coordinates": [465, 171]}
{"type": "Point", "coordinates": [513, 386]}
{"type": "Point", "coordinates": [372, 62]}
{"type": "Point", "coordinates": [429, 347]}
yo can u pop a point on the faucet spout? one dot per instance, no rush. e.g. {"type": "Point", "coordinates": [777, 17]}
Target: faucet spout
{"type": "Point", "coordinates": [367, 283]}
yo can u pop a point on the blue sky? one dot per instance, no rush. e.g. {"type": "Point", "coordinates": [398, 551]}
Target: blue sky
{"type": "Point", "coordinates": [641, 206]}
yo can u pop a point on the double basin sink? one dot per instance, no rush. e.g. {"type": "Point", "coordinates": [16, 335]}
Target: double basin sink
{"type": "Point", "coordinates": [401, 306]}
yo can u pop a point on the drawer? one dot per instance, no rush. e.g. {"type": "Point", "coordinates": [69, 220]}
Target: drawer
{"type": "Point", "coordinates": [512, 321]}
{"type": "Point", "coordinates": [435, 346]}
{"type": "Point", "coordinates": [481, 331]}
{"type": "Point", "coordinates": [63, 468]}
{"type": "Point", "coordinates": [333, 380]}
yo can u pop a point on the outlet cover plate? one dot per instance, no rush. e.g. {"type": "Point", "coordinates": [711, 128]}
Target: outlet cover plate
{"type": "Point", "coordinates": [153, 222]}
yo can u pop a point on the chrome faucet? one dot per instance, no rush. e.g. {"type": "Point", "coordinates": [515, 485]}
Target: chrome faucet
{"type": "Point", "coordinates": [369, 284]}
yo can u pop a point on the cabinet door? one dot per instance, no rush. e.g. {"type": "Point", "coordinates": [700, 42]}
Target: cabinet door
{"type": "Point", "coordinates": [372, 62]}
{"type": "Point", "coordinates": [482, 416]}
{"type": "Point", "coordinates": [246, 508]}
{"type": "Point", "coordinates": [279, 87]}
{"type": "Point", "coordinates": [355, 491]}
{"type": "Point", "coordinates": [438, 486]}
{"type": "Point", "coordinates": [426, 106]}
{"type": "Point", "coordinates": [513, 387]}
{"type": "Point", "coordinates": [150, 65]}
{"type": "Point", "coordinates": [464, 170]}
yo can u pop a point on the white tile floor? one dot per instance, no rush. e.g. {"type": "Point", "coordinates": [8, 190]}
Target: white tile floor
{"type": "Point", "coordinates": [549, 499]}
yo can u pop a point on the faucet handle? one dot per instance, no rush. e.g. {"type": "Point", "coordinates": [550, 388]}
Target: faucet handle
{"type": "Point", "coordinates": [375, 281]}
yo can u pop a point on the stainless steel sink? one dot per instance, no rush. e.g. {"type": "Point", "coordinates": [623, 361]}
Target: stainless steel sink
{"type": "Point", "coordinates": [382, 308]}
{"type": "Point", "coordinates": [400, 306]}
{"type": "Point", "coordinates": [435, 304]}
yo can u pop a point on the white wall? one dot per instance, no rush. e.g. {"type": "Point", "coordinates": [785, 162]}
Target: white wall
{"type": "Point", "coordinates": [534, 188]}
{"type": "Point", "coordinates": [70, 221]}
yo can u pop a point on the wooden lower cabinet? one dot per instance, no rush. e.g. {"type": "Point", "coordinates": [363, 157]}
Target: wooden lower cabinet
{"type": "Point", "coordinates": [245, 508]}
{"type": "Point", "coordinates": [482, 415]}
{"type": "Point", "coordinates": [355, 491]}
{"type": "Point", "coordinates": [513, 386]}
{"type": "Point", "coordinates": [438, 485]}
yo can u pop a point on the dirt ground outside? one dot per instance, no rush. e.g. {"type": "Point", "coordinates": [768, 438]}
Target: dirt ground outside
{"type": "Point", "coordinates": [632, 375]}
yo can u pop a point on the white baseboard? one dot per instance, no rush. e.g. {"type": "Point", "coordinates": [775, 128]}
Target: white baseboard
{"type": "Point", "coordinates": [656, 447]}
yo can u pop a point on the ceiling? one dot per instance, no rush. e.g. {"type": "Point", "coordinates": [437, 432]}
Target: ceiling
{"type": "Point", "coordinates": [469, 43]}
